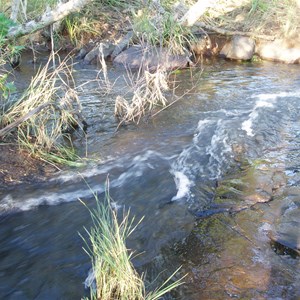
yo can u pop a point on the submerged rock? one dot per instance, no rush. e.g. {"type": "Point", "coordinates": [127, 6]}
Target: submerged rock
{"type": "Point", "coordinates": [285, 240]}
{"type": "Point", "coordinates": [285, 245]}
{"type": "Point", "coordinates": [152, 58]}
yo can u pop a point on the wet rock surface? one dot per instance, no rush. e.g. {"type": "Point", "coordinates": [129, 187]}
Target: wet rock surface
{"type": "Point", "coordinates": [152, 58]}
{"type": "Point", "coordinates": [103, 49]}
{"type": "Point", "coordinates": [237, 246]}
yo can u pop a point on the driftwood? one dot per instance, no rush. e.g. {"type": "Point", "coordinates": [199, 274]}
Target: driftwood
{"type": "Point", "coordinates": [48, 18]}
{"type": "Point", "coordinates": [4, 131]}
{"type": "Point", "coordinates": [195, 12]}
{"type": "Point", "coordinates": [232, 32]}
{"type": "Point", "coordinates": [22, 119]}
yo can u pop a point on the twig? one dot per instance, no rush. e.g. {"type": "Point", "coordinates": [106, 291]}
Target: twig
{"type": "Point", "coordinates": [22, 119]}
{"type": "Point", "coordinates": [173, 102]}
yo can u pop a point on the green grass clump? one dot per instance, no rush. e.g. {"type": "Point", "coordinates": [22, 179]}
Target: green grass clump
{"type": "Point", "coordinates": [159, 27]}
{"type": "Point", "coordinates": [115, 275]}
{"type": "Point", "coordinates": [80, 29]}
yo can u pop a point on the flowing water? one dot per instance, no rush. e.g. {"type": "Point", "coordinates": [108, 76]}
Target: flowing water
{"type": "Point", "coordinates": [216, 177]}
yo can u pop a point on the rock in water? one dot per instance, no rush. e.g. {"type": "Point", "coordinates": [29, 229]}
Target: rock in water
{"type": "Point", "coordinates": [239, 48]}
{"type": "Point", "coordinates": [285, 51]}
{"type": "Point", "coordinates": [151, 58]}
{"type": "Point", "coordinates": [104, 49]}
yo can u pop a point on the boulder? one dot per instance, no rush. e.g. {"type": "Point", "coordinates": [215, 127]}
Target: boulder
{"type": "Point", "coordinates": [239, 48]}
{"type": "Point", "coordinates": [151, 58]}
{"type": "Point", "coordinates": [279, 50]}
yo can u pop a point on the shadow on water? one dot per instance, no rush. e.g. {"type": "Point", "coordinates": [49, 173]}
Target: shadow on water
{"type": "Point", "coordinates": [170, 171]}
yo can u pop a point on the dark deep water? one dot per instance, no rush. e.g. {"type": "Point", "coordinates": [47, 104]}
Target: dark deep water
{"type": "Point", "coordinates": [239, 128]}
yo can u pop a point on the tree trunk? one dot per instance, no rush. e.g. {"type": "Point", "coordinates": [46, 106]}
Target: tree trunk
{"type": "Point", "coordinates": [48, 18]}
{"type": "Point", "coordinates": [196, 11]}
{"type": "Point", "coordinates": [15, 4]}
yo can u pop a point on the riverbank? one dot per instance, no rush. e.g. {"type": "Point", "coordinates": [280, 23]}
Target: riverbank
{"type": "Point", "coordinates": [19, 167]}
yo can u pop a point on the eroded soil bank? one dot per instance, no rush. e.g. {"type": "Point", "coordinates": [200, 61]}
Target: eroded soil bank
{"type": "Point", "coordinates": [18, 167]}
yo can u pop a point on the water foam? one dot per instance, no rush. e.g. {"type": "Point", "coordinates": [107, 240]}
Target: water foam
{"type": "Point", "coordinates": [277, 95]}
{"type": "Point", "coordinates": [264, 101]}
{"type": "Point", "coordinates": [82, 185]}
{"type": "Point", "coordinates": [204, 158]}
{"type": "Point", "coordinates": [261, 103]}
{"type": "Point", "coordinates": [183, 185]}
{"type": "Point", "coordinates": [11, 203]}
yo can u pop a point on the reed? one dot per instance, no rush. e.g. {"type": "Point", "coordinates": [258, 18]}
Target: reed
{"type": "Point", "coordinates": [114, 273]}
{"type": "Point", "coordinates": [45, 112]}
{"type": "Point", "coordinates": [146, 92]}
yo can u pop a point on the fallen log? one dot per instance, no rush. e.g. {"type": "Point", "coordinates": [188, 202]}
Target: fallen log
{"type": "Point", "coordinates": [232, 32]}
{"type": "Point", "coordinates": [195, 12]}
{"type": "Point", "coordinates": [49, 17]}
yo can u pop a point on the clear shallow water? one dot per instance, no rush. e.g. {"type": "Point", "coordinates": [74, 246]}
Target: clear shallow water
{"type": "Point", "coordinates": [168, 170]}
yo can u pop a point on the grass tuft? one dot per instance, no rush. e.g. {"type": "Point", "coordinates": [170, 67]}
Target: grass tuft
{"type": "Point", "coordinates": [275, 17]}
{"type": "Point", "coordinates": [45, 113]}
{"type": "Point", "coordinates": [147, 91]}
{"type": "Point", "coordinates": [114, 273]}
{"type": "Point", "coordinates": [158, 25]}
{"type": "Point", "coordinates": [80, 29]}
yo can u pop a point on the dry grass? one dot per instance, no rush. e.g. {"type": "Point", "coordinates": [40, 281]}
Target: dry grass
{"type": "Point", "coordinates": [272, 17]}
{"type": "Point", "coordinates": [147, 91]}
{"type": "Point", "coordinates": [46, 110]}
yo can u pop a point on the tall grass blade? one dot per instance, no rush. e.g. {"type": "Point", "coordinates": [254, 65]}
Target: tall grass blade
{"type": "Point", "coordinates": [114, 274]}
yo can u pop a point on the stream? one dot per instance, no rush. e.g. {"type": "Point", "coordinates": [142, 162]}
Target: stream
{"type": "Point", "coordinates": [216, 177]}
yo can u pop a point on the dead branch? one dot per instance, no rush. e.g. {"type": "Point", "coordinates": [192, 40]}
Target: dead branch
{"type": "Point", "coordinates": [196, 11]}
{"type": "Point", "coordinates": [48, 18]}
{"type": "Point", "coordinates": [22, 119]}
{"type": "Point", "coordinates": [230, 32]}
